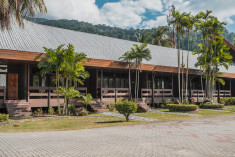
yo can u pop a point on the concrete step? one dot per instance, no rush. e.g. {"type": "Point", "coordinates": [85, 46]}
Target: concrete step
{"type": "Point", "coordinates": [18, 108]}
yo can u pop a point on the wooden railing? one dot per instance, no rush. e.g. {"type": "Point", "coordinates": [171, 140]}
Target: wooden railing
{"type": "Point", "coordinates": [45, 96]}
{"type": "Point", "coordinates": [2, 96]}
{"type": "Point", "coordinates": [147, 93]}
{"type": "Point", "coordinates": [113, 94]}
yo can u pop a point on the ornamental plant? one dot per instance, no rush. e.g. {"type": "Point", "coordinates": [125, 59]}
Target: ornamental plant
{"type": "Point", "coordinates": [126, 107]}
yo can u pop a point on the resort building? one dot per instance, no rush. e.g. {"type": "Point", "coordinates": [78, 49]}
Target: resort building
{"type": "Point", "coordinates": [22, 87]}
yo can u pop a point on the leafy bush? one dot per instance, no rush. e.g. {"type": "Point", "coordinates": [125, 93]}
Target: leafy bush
{"type": "Point", "coordinates": [38, 112]}
{"type": "Point", "coordinates": [207, 101]}
{"type": "Point", "coordinates": [179, 108]}
{"type": "Point", "coordinates": [212, 106]}
{"type": "Point", "coordinates": [228, 101]}
{"type": "Point", "coordinates": [186, 102]}
{"type": "Point", "coordinates": [4, 117]}
{"type": "Point", "coordinates": [126, 107]}
{"type": "Point", "coordinates": [166, 102]}
{"type": "Point", "coordinates": [61, 111]}
{"type": "Point", "coordinates": [111, 107]}
{"type": "Point", "coordinates": [87, 100]}
{"type": "Point", "coordinates": [71, 109]}
{"type": "Point", "coordinates": [81, 112]}
{"type": "Point", "coordinates": [51, 110]}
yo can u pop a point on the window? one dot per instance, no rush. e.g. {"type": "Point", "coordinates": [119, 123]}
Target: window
{"type": "Point", "coordinates": [3, 78]}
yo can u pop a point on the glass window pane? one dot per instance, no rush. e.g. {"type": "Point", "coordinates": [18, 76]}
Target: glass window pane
{"type": "Point", "coordinates": [111, 83]}
{"type": "Point", "coordinates": [105, 83]}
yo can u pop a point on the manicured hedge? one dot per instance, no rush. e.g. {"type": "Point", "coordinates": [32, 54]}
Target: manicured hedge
{"type": "Point", "coordinates": [212, 106]}
{"type": "Point", "coordinates": [228, 101]}
{"type": "Point", "coordinates": [4, 117]}
{"type": "Point", "coordinates": [181, 108]}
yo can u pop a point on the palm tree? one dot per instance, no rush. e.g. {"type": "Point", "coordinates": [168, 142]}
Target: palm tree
{"type": "Point", "coordinates": [161, 37]}
{"type": "Point", "coordinates": [127, 57]}
{"type": "Point", "coordinates": [87, 100]}
{"type": "Point", "coordinates": [139, 53]}
{"type": "Point", "coordinates": [52, 62]}
{"type": "Point", "coordinates": [72, 69]}
{"type": "Point", "coordinates": [144, 38]}
{"type": "Point", "coordinates": [179, 23]}
{"type": "Point", "coordinates": [19, 9]}
{"type": "Point", "coordinates": [190, 20]}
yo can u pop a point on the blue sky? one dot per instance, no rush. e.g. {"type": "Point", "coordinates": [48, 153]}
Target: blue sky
{"type": "Point", "coordinates": [136, 13]}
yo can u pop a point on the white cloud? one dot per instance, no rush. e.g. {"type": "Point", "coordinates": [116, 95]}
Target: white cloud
{"type": "Point", "coordinates": [159, 21]}
{"type": "Point", "coordinates": [130, 13]}
{"type": "Point", "coordinates": [82, 10]}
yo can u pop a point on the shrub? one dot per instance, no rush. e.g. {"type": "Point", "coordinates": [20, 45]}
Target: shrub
{"type": "Point", "coordinates": [166, 102]}
{"type": "Point", "coordinates": [51, 110]}
{"type": "Point", "coordinates": [38, 112]}
{"type": "Point", "coordinates": [207, 101]}
{"type": "Point", "coordinates": [81, 111]}
{"type": "Point", "coordinates": [228, 101]}
{"type": "Point", "coordinates": [71, 109]}
{"type": "Point", "coordinates": [61, 111]}
{"type": "Point", "coordinates": [179, 108]}
{"type": "Point", "coordinates": [212, 106]}
{"type": "Point", "coordinates": [4, 117]}
{"type": "Point", "coordinates": [126, 107]}
{"type": "Point", "coordinates": [111, 107]}
{"type": "Point", "coordinates": [186, 102]}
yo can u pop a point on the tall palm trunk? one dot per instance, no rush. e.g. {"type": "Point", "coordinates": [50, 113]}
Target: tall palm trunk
{"type": "Point", "coordinates": [136, 71]}
{"type": "Point", "coordinates": [179, 66]}
{"type": "Point", "coordinates": [182, 74]}
{"type": "Point", "coordinates": [186, 86]}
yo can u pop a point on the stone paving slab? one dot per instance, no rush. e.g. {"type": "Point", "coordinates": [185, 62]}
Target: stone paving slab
{"type": "Point", "coordinates": [203, 137]}
{"type": "Point", "coordinates": [131, 117]}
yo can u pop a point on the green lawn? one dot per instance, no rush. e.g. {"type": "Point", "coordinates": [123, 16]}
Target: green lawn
{"type": "Point", "coordinates": [67, 124]}
{"type": "Point", "coordinates": [164, 116]}
{"type": "Point", "coordinates": [168, 117]}
{"type": "Point", "coordinates": [230, 108]}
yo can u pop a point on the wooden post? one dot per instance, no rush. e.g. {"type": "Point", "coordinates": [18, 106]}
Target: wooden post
{"type": "Point", "coordinates": [230, 87]}
{"type": "Point", "coordinates": [198, 95]}
{"type": "Point", "coordinates": [49, 97]}
{"type": "Point", "coordinates": [115, 91]}
{"type": "Point", "coordinates": [101, 86]}
{"type": "Point", "coordinates": [28, 80]}
{"type": "Point", "coordinates": [172, 86]}
{"type": "Point", "coordinates": [152, 89]}
{"type": "Point", "coordinates": [218, 93]}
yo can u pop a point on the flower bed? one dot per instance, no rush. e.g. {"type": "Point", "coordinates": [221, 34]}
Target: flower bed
{"type": "Point", "coordinates": [181, 108]}
{"type": "Point", "coordinates": [212, 106]}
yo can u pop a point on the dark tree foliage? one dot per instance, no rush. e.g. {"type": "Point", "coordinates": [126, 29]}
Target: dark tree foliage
{"type": "Point", "coordinates": [126, 34]}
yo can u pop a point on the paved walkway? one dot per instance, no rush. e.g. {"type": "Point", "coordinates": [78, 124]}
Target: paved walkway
{"type": "Point", "coordinates": [203, 137]}
{"type": "Point", "coordinates": [179, 113]}
{"type": "Point", "coordinates": [131, 117]}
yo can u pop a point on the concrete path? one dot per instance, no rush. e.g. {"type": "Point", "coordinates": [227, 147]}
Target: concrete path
{"type": "Point", "coordinates": [203, 137]}
{"type": "Point", "coordinates": [131, 117]}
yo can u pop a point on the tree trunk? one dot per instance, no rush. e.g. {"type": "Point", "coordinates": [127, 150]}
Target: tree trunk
{"type": "Point", "coordinates": [186, 87]}
{"type": "Point", "coordinates": [182, 75]}
{"type": "Point", "coordinates": [179, 66]}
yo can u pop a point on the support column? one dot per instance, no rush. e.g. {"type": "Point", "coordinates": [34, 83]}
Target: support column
{"type": "Point", "coordinates": [28, 83]}
{"type": "Point", "coordinates": [218, 96]}
{"type": "Point", "coordinates": [172, 86]}
{"type": "Point", "coordinates": [152, 88]}
{"type": "Point", "coordinates": [101, 85]}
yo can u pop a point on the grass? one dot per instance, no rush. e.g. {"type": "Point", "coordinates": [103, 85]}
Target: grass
{"type": "Point", "coordinates": [164, 116]}
{"type": "Point", "coordinates": [169, 117]}
{"type": "Point", "coordinates": [230, 108]}
{"type": "Point", "coordinates": [67, 124]}
{"type": "Point", "coordinates": [38, 124]}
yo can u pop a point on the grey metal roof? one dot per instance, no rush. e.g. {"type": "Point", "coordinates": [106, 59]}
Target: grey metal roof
{"type": "Point", "coordinates": [33, 37]}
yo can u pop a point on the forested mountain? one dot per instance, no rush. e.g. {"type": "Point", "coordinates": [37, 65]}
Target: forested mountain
{"type": "Point", "coordinates": [127, 34]}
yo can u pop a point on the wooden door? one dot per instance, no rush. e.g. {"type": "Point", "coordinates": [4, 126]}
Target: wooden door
{"type": "Point", "coordinates": [13, 86]}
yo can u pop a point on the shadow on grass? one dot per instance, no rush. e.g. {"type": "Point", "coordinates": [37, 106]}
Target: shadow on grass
{"type": "Point", "coordinates": [117, 121]}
